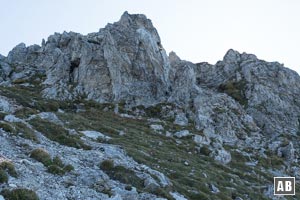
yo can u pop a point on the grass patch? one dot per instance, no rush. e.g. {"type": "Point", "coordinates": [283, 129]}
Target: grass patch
{"type": "Point", "coordinates": [7, 127]}
{"type": "Point", "coordinates": [58, 134]}
{"type": "Point", "coordinates": [42, 156]}
{"type": "Point", "coordinates": [235, 90]}
{"type": "Point", "coordinates": [19, 128]}
{"type": "Point", "coordinates": [26, 132]}
{"type": "Point", "coordinates": [54, 166]}
{"type": "Point", "coordinates": [121, 174]}
{"type": "Point", "coordinates": [3, 176]}
{"type": "Point", "coordinates": [19, 194]}
{"type": "Point", "coordinates": [127, 176]}
{"type": "Point", "coordinates": [9, 168]}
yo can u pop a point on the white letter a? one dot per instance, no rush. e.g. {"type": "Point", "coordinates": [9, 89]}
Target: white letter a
{"type": "Point", "coordinates": [280, 186]}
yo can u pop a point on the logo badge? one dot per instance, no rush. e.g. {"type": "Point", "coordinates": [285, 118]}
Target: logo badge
{"type": "Point", "coordinates": [284, 185]}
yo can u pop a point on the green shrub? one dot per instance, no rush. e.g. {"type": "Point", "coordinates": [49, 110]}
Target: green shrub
{"type": "Point", "coordinates": [9, 168]}
{"type": "Point", "coordinates": [27, 133]}
{"type": "Point", "coordinates": [107, 165]}
{"type": "Point", "coordinates": [25, 112]}
{"type": "Point", "coordinates": [54, 169]}
{"type": "Point", "coordinates": [3, 176]}
{"type": "Point", "coordinates": [42, 156]}
{"type": "Point", "coordinates": [19, 194]}
{"type": "Point", "coordinates": [68, 168]}
{"type": "Point", "coordinates": [128, 187]}
{"type": "Point", "coordinates": [235, 90]}
{"type": "Point", "coordinates": [122, 174]}
{"type": "Point", "coordinates": [54, 166]}
{"type": "Point", "coordinates": [205, 151]}
{"type": "Point", "coordinates": [7, 127]}
{"type": "Point", "coordinates": [162, 193]}
{"type": "Point", "coordinates": [57, 161]}
{"type": "Point", "coordinates": [2, 115]}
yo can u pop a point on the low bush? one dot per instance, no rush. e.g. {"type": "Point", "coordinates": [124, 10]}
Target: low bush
{"type": "Point", "coordinates": [3, 176]}
{"type": "Point", "coordinates": [235, 90]}
{"type": "Point", "coordinates": [54, 169]}
{"type": "Point", "coordinates": [54, 166]}
{"type": "Point", "coordinates": [107, 165]}
{"type": "Point", "coordinates": [9, 168]}
{"type": "Point", "coordinates": [205, 151]}
{"type": "Point", "coordinates": [7, 127]}
{"type": "Point", "coordinates": [19, 194]}
{"type": "Point", "coordinates": [42, 156]}
{"type": "Point", "coordinates": [122, 174]}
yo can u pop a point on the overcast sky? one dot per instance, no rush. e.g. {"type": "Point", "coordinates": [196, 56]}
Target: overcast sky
{"type": "Point", "coordinates": [197, 30]}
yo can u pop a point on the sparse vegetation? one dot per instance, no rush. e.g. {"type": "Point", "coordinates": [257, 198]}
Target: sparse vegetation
{"type": "Point", "coordinates": [121, 174]}
{"type": "Point", "coordinates": [205, 151]}
{"type": "Point", "coordinates": [141, 143]}
{"type": "Point", "coordinates": [156, 151]}
{"type": "Point", "coordinates": [25, 131]}
{"type": "Point", "coordinates": [235, 90]}
{"type": "Point", "coordinates": [3, 176]}
{"type": "Point", "coordinates": [54, 166]}
{"type": "Point", "coordinates": [19, 128]}
{"type": "Point", "coordinates": [7, 127]}
{"type": "Point", "coordinates": [19, 194]}
{"type": "Point", "coordinates": [127, 176]}
{"type": "Point", "coordinates": [42, 156]}
{"type": "Point", "coordinates": [107, 165]}
{"type": "Point", "coordinates": [2, 115]}
{"type": "Point", "coordinates": [58, 134]}
{"type": "Point", "coordinates": [9, 168]}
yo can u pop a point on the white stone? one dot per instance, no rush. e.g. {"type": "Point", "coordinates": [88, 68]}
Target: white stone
{"type": "Point", "coordinates": [168, 134]}
{"type": "Point", "coordinates": [181, 119]}
{"type": "Point", "coordinates": [51, 117]}
{"type": "Point", "coordinates": [223, 156]}
{"type": "Point", "coordinates": [12, 118]}
{"type": "Point", "coordinates": [177, 196]}
{"type": "Point", "coordinates": [12, 185]}
{"type": "Point", "coordinates": [5, 105]}
{"type": "Point", "coordinates": [121, 133]}
{"type": "Point", "coordinates": [157, 127]}
{"type": "Point", "coordinates": [199, 139]}
{"type": "Point", "coordinates": [95, 135]}
{"type": "Point", "coordinates": [214, 189]}
{"type": "Point", "coordinates": [182, 133]}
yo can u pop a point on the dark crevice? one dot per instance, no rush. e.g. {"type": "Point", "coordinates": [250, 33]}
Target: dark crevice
{"type": "Point", "coordinates": [74, 64]}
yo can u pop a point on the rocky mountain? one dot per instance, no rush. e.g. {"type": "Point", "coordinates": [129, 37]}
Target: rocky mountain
{"type": "Point", "coordinates": [110, 115]}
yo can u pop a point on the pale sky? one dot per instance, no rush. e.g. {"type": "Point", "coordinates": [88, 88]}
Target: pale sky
{"type": "Point", "coordinates": [197, 30]}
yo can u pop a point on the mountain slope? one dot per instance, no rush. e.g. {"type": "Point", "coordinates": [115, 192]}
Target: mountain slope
{"type": "Point", "coordinates": [117, 118]}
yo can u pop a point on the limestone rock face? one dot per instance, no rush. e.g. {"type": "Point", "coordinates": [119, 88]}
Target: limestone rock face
{"type": "Point", "coordinates": [183, 81]}
{"type": "Point", "coordinates": [5, 70]}
{"type": "Point", "coordinates": [267, 91]}
{"type": "Point", "coordinates": [123, 61]}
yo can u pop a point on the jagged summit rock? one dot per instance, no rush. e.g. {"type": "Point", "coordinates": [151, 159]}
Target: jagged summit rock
{"type": "Point", "coordinates": [123, 61]}
{"type": "Point", "coordinates": [268, 91]}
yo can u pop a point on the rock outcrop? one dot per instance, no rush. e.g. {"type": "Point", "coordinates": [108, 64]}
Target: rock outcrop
{"type": "Point", "coordinates": [124, 61]}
